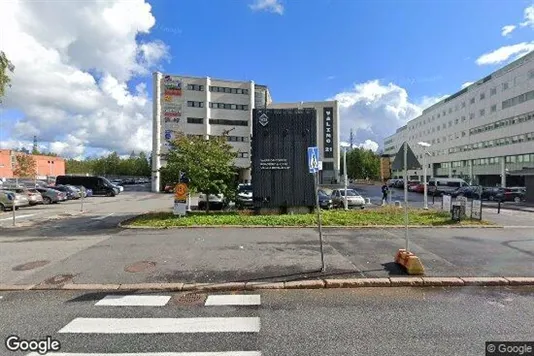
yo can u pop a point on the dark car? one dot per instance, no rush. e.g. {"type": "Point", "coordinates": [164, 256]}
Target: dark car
{"type": "Point", "coordinates": [99, 185]}
{"type": "Point", "coordinates": [71, 193]}
{"type": "Point", "coordinates": [515, 194]}
{"type": "Point", "coordinates": [470, 192]}
{"type": "Point", "coordinates": [325, 200]}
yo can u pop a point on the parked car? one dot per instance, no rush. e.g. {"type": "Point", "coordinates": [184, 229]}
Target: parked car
{"type": "Point", "coordinates": [99, 185]}
{"type": "Point", "coordinates": [515, 194]}
{"type": "Point", "coordinates": [412, 184]}
{"type": "Point", "coordinates": [33, 196]}
{"type": "Point", "coordinates": [7, 199]}
{"type": "Point", "coordinates": [493, 193]}
{"type": "Point", "coordinates": [354, 199]}
{"type": "Point", "coordinates": [19, 199]}
{"type": "Point", "coordinates": [419, 188]}
{"type": "Point", "coordinates": [216, 201]}
{"type": "Point", "coordinates": [440, 186]}
{"type": "Point", "coordinates": [71, 193]}
{"type": "Point", "coordinates": [244, 196]}
{"type": "Point", "coordinates": [470, 192]}
{"type": "Point", "coordinates": [325, 200]}
{"type": "Point", "coordinates": [51, 196]}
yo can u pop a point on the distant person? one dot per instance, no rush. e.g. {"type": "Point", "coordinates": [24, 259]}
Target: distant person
{"type": "Point", "coordinates": [385, 191]}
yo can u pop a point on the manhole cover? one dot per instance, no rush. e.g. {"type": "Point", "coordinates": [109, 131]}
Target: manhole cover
{"type": "Point", "coordinates": [59, 279]}
{"type": "Point", "coordinates": [189, 299]}
{"type": "Point", "coordinates": [30, 265]}
{"type": "Point", "coordinates": [141, 266]}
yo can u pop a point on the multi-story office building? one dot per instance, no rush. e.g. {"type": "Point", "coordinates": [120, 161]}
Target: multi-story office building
{"type": "Point", "coordinates": [211, 107]}
{"type": "Point", "coordinates": [480, 133]}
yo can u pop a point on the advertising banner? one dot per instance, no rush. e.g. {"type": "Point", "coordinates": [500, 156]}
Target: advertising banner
{"type": "Point", "coordinates": [172, 86]}
{"type": "Point", "coordinates": [328, 132]}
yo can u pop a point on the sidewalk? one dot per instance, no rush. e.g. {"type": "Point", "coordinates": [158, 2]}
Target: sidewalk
{"type": "Point", "coordinates": [265, 254]}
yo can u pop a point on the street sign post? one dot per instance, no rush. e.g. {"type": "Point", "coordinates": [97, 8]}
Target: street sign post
{"type": "Point", "coordinates": [314, 166]}
{"type": "Point", "coordinates": [11, 197]}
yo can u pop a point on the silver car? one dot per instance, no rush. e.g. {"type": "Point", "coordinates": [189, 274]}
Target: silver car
{"type": "Point", "coordinates": [353, 198]}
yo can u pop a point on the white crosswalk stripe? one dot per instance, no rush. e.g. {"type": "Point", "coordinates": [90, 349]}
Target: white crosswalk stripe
{"type": "Point", "coordinates": [247, 325]}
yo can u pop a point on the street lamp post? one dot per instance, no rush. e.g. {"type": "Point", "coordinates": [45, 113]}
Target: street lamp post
{"type": "Point", "coordinates": [345, 177]}
{"type": "Point", "coordinates": [425, 183]}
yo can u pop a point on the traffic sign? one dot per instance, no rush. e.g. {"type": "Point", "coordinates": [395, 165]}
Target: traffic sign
{"type": "Point", "coordinates": [411, 162]}
{"type": "Point", "coordinates": [313, 159]}
{"type": "Point", "coordinates": [180, 191]}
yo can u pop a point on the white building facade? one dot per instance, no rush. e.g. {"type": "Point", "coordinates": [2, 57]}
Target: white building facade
{"type": "Point", "coordinates": [211, 107]}
{"type": "Point", "coordinates": [480, 133]}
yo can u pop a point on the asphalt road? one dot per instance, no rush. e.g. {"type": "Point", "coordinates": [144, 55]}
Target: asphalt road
{"type": "Point", "coordinates": [370, 321]}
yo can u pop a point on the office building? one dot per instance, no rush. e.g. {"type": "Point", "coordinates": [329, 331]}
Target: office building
{"type": "Point", "coordinates": [207, 107]}
{"type": "Point", "coordinates": [480, 133]}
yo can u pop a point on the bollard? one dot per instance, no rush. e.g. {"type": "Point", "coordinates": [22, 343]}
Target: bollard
{"type": "Point", "coordinates": [368, 201]}
{"type": "Point", "coordinates": [397, 203]}
{"type": "Point", "coordinates": [499, 207]}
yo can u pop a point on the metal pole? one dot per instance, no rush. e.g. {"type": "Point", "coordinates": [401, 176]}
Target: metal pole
{"type": "Point", "coordinates": [319, 222]}
{"type": "Point", "coordinates": [14, 209]}
{"type": "Point", "coordinates": [406, 195]}
{"type": "Point", "coordinates": [82, 193]}
{"type": "Point", "coordinates": [345, 176]}
{"type": "Point", "coordinates": [424, 182]}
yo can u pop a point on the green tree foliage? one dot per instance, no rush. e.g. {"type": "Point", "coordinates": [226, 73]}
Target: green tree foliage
{"type": "Point", "coordinates": [111, 165]}
{"type": "Point", "coordinates": [362, 164]}
{"type": "Point", "coordinates": [5, 67]}
{"type": "Point", "coordinates": [207, 163]}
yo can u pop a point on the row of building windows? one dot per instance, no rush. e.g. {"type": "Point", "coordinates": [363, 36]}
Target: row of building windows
{"type": "Point", "coordinates": [200, 104]}
{"type": "Point", "coordinates": [195, 120]}
{"type": "Point", "coordinates": [496, 142]}
{"type": "Point", "coordinates": [237, 138]}
{"type": "Point", "coordinates": [242, 155]}
{"type": "Point", "coordinates": [229, 90]}
{"type": "Point", "coordinates": [228, 122]}
{"type": "Point", "coordinates": [493, 91]}
{"type": "Point", "coordinates": [503, 123]}
{"type": "Point", "coordinates": [228, 106]}
{"type": "Point", "coordinates": [522, 158]}
{"type": "Point", "coordinates": [195, 87]}
{"type": "Point", "coordinates": [518, 99]}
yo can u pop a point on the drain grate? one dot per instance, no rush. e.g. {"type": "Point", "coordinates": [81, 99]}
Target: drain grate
{"type": "Point", "coordinates": [189, 299]}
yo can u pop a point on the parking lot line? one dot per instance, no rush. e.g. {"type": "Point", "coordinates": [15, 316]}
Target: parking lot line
{"type": "Point", "coordinates": [102, 217]}
{"type": "Point", "coordinates": [18, 217]}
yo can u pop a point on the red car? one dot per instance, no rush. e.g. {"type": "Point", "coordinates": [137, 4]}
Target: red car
{"type": "Point", "coordinates": [419, 188]}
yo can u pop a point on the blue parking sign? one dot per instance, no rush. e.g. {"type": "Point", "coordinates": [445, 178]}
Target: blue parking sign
{"type": "Point", "coordinates": [313, 159]}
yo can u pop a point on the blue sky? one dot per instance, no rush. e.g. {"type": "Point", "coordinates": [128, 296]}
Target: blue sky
{"type": "Point", "coordinates": [384, 60]}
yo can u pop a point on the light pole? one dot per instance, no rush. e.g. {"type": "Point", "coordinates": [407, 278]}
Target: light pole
{"type": "Point", "coordinates": [425, 184]}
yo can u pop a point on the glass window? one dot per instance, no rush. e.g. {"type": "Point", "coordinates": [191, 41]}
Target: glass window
{"type": "Point", "coordinates": [482, 112]}
{"type": "Point", "coordinates": [493, 91]}
{"type": "Point", "coordinates": [471, 116]}
{"type": "Point", "coordinates": [505, 86]}
{"type": "Point", "coordinates": [482, 96]}
{"type": "Point", "coordinates": [493, 108]}
{"type": "Point", "coordinates": [472, 101]}
{"type": "Point", "coordinates": [526, 158]}
{"type": "Point", "coordinates": [463, 104]}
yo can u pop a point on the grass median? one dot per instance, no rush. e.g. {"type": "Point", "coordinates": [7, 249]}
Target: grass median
{"type": "Point", "coordinates": [387, 216]}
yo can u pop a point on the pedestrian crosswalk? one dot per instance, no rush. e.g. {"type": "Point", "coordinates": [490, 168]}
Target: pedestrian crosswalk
{"type": "Point", "coordinates": [225, 321]}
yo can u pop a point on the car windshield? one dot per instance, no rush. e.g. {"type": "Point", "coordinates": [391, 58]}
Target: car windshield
{"type": "Point", "coordinates": [322, 193]}
{"type": "Point", "coordinates": [245, 188]}
{"type": "Point", "coordinates": [350, 193]}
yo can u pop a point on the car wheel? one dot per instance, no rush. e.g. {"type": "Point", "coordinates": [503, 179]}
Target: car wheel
{"type": "Point", "coordinates": [2, 207]}
{"type": "Point", "coordinates": [201, 206]}
{"type": "Point", "coordinates": [17, 207]}
{"type": "Point", "coordinates": [491, 197]}
{"type": "Point", "coordinates": [47, 200]}
{"type": "Point", "coordinates": [517, 200]}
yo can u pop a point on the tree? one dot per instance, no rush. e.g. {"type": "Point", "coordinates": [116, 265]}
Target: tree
{"type": "Point", "coordinates": [207, 163]}
{"type": "Point", "coordinates": [362, 164]}
{"type": "Point", "coordinates": [5, 67]}
{"type": "Point", "coordinates": [25, 166]}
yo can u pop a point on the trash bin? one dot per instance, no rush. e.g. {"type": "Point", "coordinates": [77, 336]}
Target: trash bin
{"type": "Point", "coordinates": [456, 212]}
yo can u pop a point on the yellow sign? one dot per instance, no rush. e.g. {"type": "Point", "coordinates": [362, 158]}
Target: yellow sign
{"type": "Point", "coordinates": [180, 191]}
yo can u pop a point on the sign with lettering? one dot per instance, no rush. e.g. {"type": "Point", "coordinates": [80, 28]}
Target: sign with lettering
{"type": "Point", "coordinates": [476, 209]}
{"type": "Point", "coordinates": [274, 163]}
{"type": "Point", "coordinates": [328, 132]}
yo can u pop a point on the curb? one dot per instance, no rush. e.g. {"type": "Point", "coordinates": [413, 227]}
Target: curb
{"type": "Point", "coordinates": [300, 284]}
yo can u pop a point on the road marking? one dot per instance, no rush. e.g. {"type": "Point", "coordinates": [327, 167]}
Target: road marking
{"type": "Point", "coordinates": [161, 325]}
{"type": "Point", "coordinates": [134, 300]}
{"type": "Point", "coordinates": [18, 217]}
{"type": "Point", "coordinates": [103, 217]}
{"type": "Point", "coordinates": [226, 353]}
{"type": "Point", "coordinates": [244, 299]}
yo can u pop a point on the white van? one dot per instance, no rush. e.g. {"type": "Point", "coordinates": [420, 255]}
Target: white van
{"type": "Point", "coordinates": [440, 186]}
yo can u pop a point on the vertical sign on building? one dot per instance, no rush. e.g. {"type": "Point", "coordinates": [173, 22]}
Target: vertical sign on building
{"type": "Point", "coordinates": [171, 107]}
{"type": "Point", "coordinates": [328, 132]}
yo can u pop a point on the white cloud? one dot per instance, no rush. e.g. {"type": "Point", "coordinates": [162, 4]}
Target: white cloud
{"type": "Point", "coordinates": [72, 73]}
{"type": "Point", "coordinates": [508, 29]}
{"type": "Point", "coordinates": [506, 53]}
{"type": "Point", "coordinates": [529, 17]}
{"type": "Point", "coordinates": [374, 111]}
{"type": "Point", "coordinates": [274, 6]}
{"type": "Point", "coordinates": [466, 84]}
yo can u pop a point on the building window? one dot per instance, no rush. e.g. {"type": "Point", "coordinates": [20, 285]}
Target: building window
{"type": "Point", "coordinates": [493, 91]}
{"type": "Point", "coordinates": [463, 118]}
{"type": "Point", "coordinates": [463, 104]}
{"type": "Point", "coordinates": [482, 96]}
{"type": "Point", "coordinates": [472, 101]}
{"type": "Point", "coordinates": [444, 113]}
{"type": "Point", "coordinates": [228, 90]}
{"type": "Point", "coordinates": [444, 126]}
{"type": "Point", "coordinates": [195, 104]}
{"type": "Point", "coordinates": [493, 108]}
{"type": "Point", "coordinates": [504, 86]}
{"type": "Point", "coordinates": [195, 120]}
{"type": "Point", "coordinates": [450, 110]}
{"type": "Point", "coordinates": [456, 122]}
{"type": "Point", "coordinates": [482, 112]}
{"type": "Point", "coordinates": [242, 155]}
{"type": "Point", "coordinates": [196, 87]}
{"type": "Point", "coordinates": [237, 138]}
{"type": "Point", "coordinates": [228, 122]}
{"type": "Point", "coordinates": [450, 123]}
{"type": "Point", "coordinates": [228, 106]}
{"type": "Point", "coordinates": [530, 75]}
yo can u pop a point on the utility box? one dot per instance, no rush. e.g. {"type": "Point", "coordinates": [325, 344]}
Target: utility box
{"type": "Point", "coordinates": [281, 181]}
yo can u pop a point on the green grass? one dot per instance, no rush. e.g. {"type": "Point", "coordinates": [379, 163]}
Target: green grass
{"type": "Point", "coordinates": [371, 217]}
